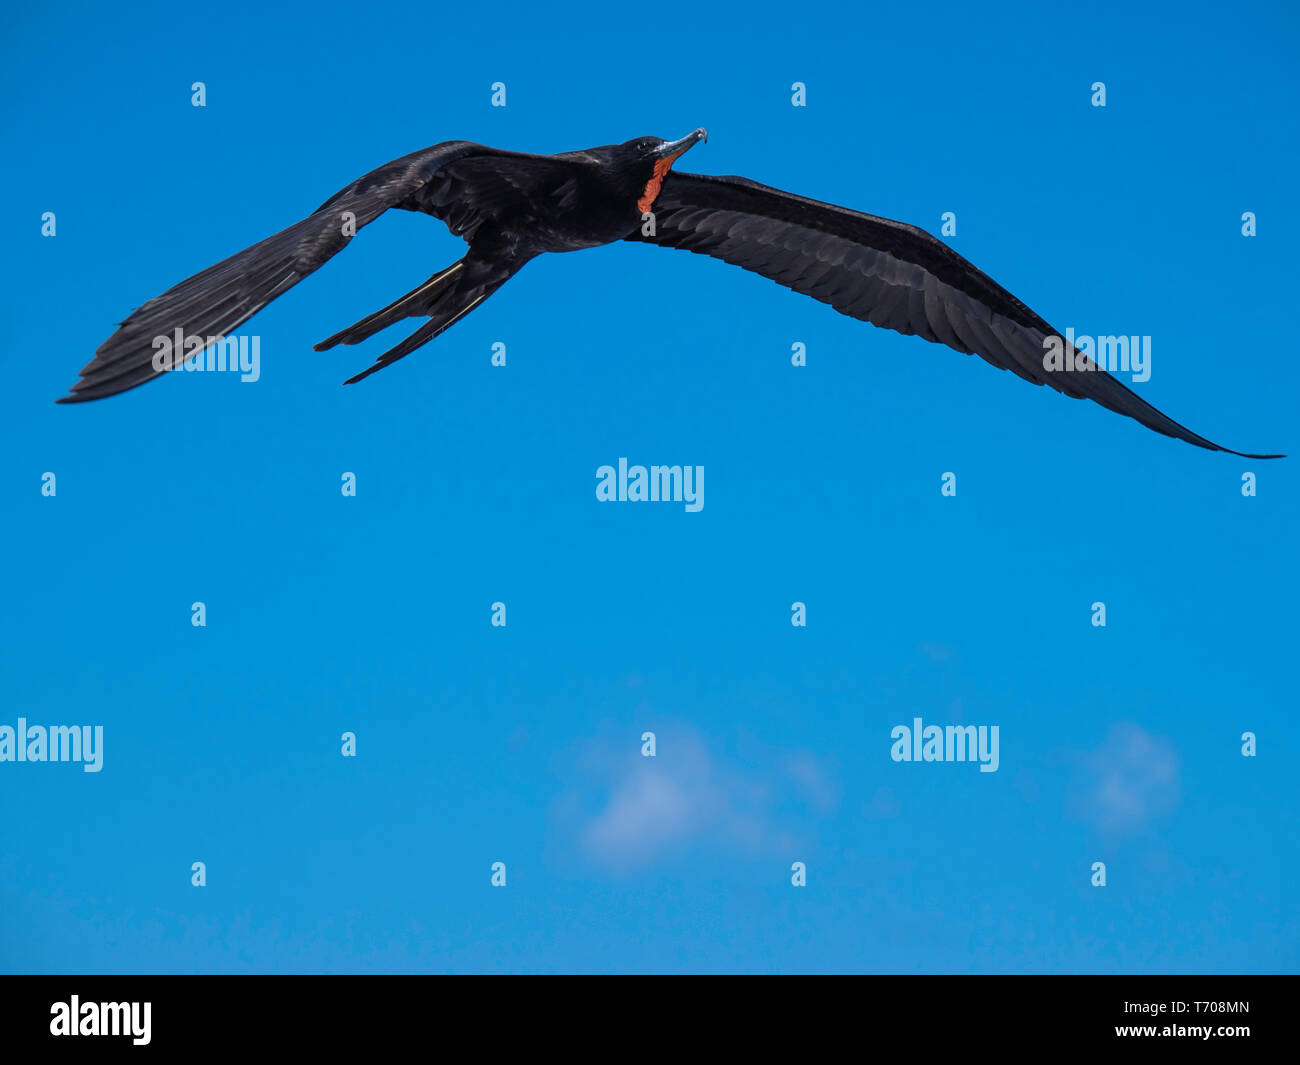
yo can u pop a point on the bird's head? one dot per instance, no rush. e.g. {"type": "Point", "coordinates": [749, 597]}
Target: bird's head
{"type": "Point", "coordinates": [647, 160]}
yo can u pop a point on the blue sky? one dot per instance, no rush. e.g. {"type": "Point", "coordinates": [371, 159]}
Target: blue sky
{"type": "Point", "coordinates": [478, 744]}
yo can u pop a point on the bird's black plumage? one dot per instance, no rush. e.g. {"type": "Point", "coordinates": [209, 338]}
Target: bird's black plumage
{"type": "Point", "coordinates": [511, 206]}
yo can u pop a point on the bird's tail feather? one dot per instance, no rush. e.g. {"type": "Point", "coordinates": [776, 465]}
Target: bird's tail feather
{"type": "Point", "coordinates": [446, 298]}
{"type": "Point", "coordinates": [418, 301]}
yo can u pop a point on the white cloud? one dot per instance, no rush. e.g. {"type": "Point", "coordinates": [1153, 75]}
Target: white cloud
{"type": "Point", "coordinates": [642, 809]}
{"type": "Point", "coordinates": [1128, 781]}
{"type": "Point", "coordinates": [647, 812]}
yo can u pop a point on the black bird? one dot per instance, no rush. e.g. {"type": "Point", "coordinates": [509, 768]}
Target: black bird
{"type": "Point", "coordinates": [511, 206]}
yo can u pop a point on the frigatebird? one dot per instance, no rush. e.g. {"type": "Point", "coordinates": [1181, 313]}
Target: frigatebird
{"type": "Point", "coordinates": [512, 206]}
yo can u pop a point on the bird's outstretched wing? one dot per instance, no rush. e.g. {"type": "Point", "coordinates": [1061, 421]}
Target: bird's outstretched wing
{"type": "Point", "coordinates": [219, 299]}
{"type": "Point", "coordinates": [884, 272]}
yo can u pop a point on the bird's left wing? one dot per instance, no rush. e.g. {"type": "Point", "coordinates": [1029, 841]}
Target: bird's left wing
{"type": "Point", "coordinates": [884, 272]}
{"type": "Point", "coordinates": [217, 300]}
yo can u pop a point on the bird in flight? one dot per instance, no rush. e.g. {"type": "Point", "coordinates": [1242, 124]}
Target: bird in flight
{"type": "Point", "coordinates": [511, 206]}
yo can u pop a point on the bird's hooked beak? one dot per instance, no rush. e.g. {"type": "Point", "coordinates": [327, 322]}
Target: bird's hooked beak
{"type": "Point", "coordinates": [664, 156]}
{"type": "Point", "coordinates": [672, 149]}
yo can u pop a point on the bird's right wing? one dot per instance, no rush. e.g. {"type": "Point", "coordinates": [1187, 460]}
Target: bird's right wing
{"type": "Point", "coordinates": [884, 272]}
{"type": "Point", "coordinates": [216, 301]}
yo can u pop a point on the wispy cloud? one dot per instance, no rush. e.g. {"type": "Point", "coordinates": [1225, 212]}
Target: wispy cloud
{"type": "Point", "coordinates": [1128, 781]}
{"type": "Point", "coordinates": [628, 811]}
{"type": "Point", "coordinates": [647, 812]}
{"type": "Point", "coordinates": [811, 778]}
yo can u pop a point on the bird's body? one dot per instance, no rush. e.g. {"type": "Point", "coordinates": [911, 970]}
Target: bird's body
{"type": "Point", "coordinates": [511, 207]}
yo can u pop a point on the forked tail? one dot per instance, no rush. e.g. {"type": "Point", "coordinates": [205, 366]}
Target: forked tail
{"type": "Point", "coordinates": [445, 298]}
